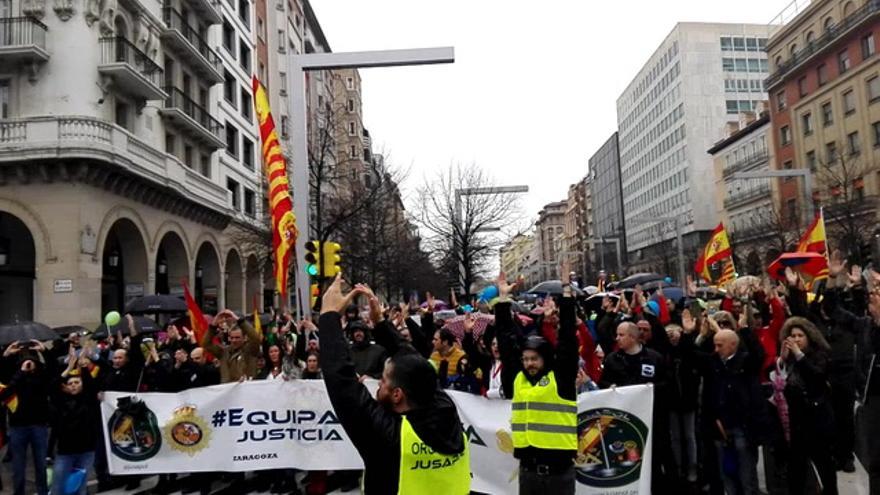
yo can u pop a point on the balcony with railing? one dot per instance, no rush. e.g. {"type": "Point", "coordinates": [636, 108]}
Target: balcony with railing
{"type": "Point", "coordinates": [831, 35]}
{"type": "Point", "coordinates": [207, 10]}
{"type": "Point", "coordinates": [178, 35]}
{"type": "Point", "coordinates": [746, 163]}
{"type": "Point", "coordinates": [22, 40]}
{"type": "Point", "coordinates": [192, 118]}
{"type": "Point", "coordinates": [746, 197]}
{"type": "Point", "coordinates": [132, 71]}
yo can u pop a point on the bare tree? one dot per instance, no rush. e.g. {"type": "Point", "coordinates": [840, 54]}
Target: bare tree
{"type": "Point", "coordinates": [456, 237]}
{"type": "Point", "coordinates": [850, 216]}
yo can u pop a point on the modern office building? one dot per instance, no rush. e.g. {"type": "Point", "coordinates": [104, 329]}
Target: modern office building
{"type": "Point", "coordinates": [609, 239]}
{"type": "Point", "coordinates": [699, 78]}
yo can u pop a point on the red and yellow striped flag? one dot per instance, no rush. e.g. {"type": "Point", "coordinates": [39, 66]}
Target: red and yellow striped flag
{"type": "Point", "coordinates": [284, 230]}
{"type": "Point", "coordinates": [728, 272]}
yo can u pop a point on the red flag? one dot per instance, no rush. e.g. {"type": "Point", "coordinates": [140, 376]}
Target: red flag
{"type": "Point", "coordinates": [196, 318]}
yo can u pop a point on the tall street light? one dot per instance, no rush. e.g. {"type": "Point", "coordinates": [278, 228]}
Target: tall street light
{"type": "Point", "coordinates": [299, 65]}
{"type": "Point", "coordinates": [456, 241]}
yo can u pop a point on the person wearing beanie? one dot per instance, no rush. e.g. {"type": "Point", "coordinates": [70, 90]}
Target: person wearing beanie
{"type": "Point", "coordinates": [369, 358]}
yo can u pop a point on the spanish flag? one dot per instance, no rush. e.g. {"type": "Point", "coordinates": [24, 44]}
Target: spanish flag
{"type": "Point", "coordinates": [814, 240]}
{"type": "Point", "coordinates": [284, 230]}
{"type": "Point", "coordinates": [717, 249]}
{"type": "Point", "coordinates": [10, 399]}
{"type": "Point", "coordinates": [196, 317]}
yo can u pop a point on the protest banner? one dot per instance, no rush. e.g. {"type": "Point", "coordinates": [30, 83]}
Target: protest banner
{"type": "Point", "coordinates": [259, 425]}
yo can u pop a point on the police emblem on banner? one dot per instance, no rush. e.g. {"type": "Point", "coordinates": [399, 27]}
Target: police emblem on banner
{"type": "Point", "coordinates": [186, 431]}
{"type": "Point", "coordinates": [133, 430]}
{"type": "Point", "coordinates": [611, 444]}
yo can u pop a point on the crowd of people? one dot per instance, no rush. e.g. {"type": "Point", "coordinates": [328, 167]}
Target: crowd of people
{"type": "Point", "coordinates": [770, 367]}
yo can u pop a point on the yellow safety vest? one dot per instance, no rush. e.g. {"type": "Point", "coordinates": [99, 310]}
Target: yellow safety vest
{"type": "Point", "coordinates": [423, 471]}
{"type": "Point", "coordinates": [541, 418]}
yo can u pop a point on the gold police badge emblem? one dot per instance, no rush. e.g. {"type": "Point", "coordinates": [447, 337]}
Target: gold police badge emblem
{"type": "Point", "coordinates": [187, 432]}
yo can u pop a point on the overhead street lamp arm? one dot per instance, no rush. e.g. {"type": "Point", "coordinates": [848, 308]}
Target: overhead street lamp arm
{"type": "Point", "coordinates": [378, 58]}
{"type": "Point", "coordinates": [794, 172]}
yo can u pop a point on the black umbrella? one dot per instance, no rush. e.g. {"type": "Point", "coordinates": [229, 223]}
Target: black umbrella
{"type": "Point", "coordinates": [156, 304]}
{"type": "Point", "coordinates": [23, 331]}
{"type": "Point", "coordinates": [141, 323]}
{"type": "Point", "coordinates": [638, 279]}
{"type": "Point", "coordinates": [552, 287]}
{"type": "Point", "coordinates": [64, 331]}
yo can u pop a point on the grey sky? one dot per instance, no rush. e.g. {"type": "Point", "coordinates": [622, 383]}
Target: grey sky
{"type": "Point", "coordinates": [532, 92]}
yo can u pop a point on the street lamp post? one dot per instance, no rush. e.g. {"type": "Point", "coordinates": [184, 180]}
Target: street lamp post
{"type": "Point", "coordinates": [299, 65]}
{"type": "Point", "coordinates": [676, 221]}
{"type": "Point", "coordinates": [794, 172]}
{"type": "Point", "coordinates": [592, 241]}
{"type": "Point", "coordinates": [456, 241]}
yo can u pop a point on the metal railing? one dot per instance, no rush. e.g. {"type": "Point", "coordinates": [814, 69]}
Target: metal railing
{"type": "Point", "coordinates": [22, 31]}
{"type": "Point", "coordinates": [832, 34]}
{"type": "Point", "coordinates": [747, 196]}
{"type": "Point", "coordinates": [175, 21]}
{"type": "Point", "coordinates": [745, 163]}
{"type": "Point", "coordinates": [120, 50]}
{"type": "Point", "coordinates": [178, 99]}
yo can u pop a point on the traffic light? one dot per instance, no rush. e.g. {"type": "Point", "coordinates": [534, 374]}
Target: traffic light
{"type": "Point", "coordinates": [314, 292]}
{"type": "Point", "coordinates": [331, 259]}
{"type": "Point", "coordinates": [313, 257]}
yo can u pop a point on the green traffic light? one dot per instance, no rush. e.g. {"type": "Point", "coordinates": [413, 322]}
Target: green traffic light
{"type": "Point", "coordinates": [312, 270]}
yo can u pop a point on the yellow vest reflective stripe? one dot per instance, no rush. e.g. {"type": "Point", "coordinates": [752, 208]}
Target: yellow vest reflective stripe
{"type": "Point", "coordinates": [423, 471]}
{"type": "Point", "coordinates": [540, 417]}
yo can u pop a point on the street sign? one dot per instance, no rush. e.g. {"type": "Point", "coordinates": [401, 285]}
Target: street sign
{"type": "Point", "coordinates": [63, 285]}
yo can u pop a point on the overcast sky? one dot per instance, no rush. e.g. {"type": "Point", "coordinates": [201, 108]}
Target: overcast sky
{"type": "Point", "coordinates": [531, 95]}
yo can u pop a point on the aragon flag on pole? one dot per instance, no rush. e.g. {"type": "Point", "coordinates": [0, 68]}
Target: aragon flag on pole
{"type": "Point", "coordinates": [284, 230]}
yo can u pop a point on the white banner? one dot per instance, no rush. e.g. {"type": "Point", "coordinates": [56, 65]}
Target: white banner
{"type": "Point", "coordinates": [275, 424]}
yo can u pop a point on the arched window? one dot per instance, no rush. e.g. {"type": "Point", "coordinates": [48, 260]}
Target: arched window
{"type": "Point", "coordinates": [810, 37]}
{"type": "Point", "coordinates": [829, 23]}
{"type": "Point", "coordinates": [848, 9]}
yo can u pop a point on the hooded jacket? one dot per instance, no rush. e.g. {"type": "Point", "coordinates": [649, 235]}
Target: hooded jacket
{"type": "Point", "coordinates": [373, 429]}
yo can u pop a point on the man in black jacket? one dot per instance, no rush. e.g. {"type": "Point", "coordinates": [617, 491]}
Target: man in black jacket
{"type": "Point", "coordinates": [529, 367]}
{"type": "Point", "coordinates": [408, 396]}
{"type": "Point", "coordinates": [369, 358]}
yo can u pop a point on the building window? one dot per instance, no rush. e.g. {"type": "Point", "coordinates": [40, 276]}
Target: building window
{"type": "Point", "coordinates": [822, 74]}
{"type": "Point", "coordinates": [828, 24]}
{"type": "Point", "coordinates": [229, 88]}
{"type": "Point", "coordinates": [244, 12]}
{"type": "Point", "coordinates": [246, 107]}
{"type": "Point", "coordinates": [231, 139]}
{"type": "Point", "coordinates": [802, 86]}
{"type": "Point", "coordinates": [849, 102]}
{"type": "Point", "coordinates": [4, 99]}
{"type": "Point", "coordinates": [205, 168]}
{"type": "Point", "coordinates": [244, 56]}
{"type": "Point", "coordinates": [264, 78]}
{"type": "Point", "coordinates": [852, 140]}
{"type": "Point", "coordinates": [349, 83]}
{"type": "Point", "coordinates": [830, 152]}
{"type": "Point", "coordinates": [247, 153]}
{"type": "Point", "coordinates": [169, 143]}
{"type": "Point", "coordinates": [282, 79]}
{"type": "Point", "coordinates": [876, 128]}
{"type": "Point", "coordinates": [811, 160]}
{"type": "Point", "coordinates": [791, 209]}
{"type": "Point", "coordinates": [351, 129]}
{"type": "Point", "coordinates": [785, 135]}
{"type": "Point", "coordinates": [235, 200]}
{"type": "Point", "coordinates": [250, 203]}
{"type": "Point", "coordinates": [350, 105]}
{"type": "Point", "coordinates": [282, 41]}
{"type": "Point", "coordinates": [352, 151]}
{"type": "Point", "coordinates": [732, 107]}
{"type": "Point", "coordinates": [843, 63]}
{"type": "Point", "coordinates": [261, 29]}
{"type": "Point", "coordinates": [727, 64]}
{"type": "Point", "coordinates": [285, 123]}
{"type": "Point", "coordinates": [739, 44]}
{"type": "Point", "coordinates": [827, 114]}
{"type": "Point", "coordinates": [188, 156]}
{"type": "Point", "coordinates": [868, 48]}
{"type": "Point", "coordinates": [807, 122]}
{"type": "Point", "coordinates": [726, 44]}
{"type": "Point", "coordinates": [780, 100]}
{"type": "Point", "coordinates": [741, 65]}
{"type": "Point", "coordinates": [123, 115]}
{"type": "Point", "coordinates": [873, 89]}
{"type": "Point", "coordinates": [229, 38]}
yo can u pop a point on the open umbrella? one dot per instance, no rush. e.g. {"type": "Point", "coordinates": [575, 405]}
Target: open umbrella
{"type": "Point", "coordinates": [438, 304]}
{"type": "Point", "coordinates": [638, 279]}
{"type": "Point", "coordinates": [552, 287]}
{"type": "Point", "coordinates": [265, 318]}
{"type": "Point", "coordinates": [156, 304]}
{"type": "Point", "coordinates": [808, 264]}
{"type": "Point", "coordinates": [482, 320]}
{"type": "Point", "coordinates": [66, 330]}
{"type": "Point", "coordinates": [141, 323]}
{"type": "Point", "coordinates": [594, 302]}
{"type": "Point", "coordinates": [23, 331]}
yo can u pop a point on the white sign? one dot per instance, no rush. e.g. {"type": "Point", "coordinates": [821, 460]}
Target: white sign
{"type": "Point", "coordinates": [65, 285]}
{"type": "Point", "coordinates": [231, 427]}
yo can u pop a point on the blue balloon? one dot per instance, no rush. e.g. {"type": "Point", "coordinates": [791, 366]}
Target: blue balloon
{"type": "Point", "coordinates": [667, 280]}
{"type": "Point", "coordinates": [488, 293]}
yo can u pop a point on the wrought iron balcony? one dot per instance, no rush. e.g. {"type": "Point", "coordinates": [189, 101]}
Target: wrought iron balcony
{"type": "Point", "coordinates": [746, 197]}
{"type": "Point", "coordinates": [831, 35]}
{"type": "Point", "coordinates": [133, 72]}
{"type": "Point", "coordinates": [192, 118]}
{"type": "Point", "coordinates": [189, 43]}
{"type": "Point", "coordinates": [745, 163]}
{"type": "Point", "coordinates": [22, 40]}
